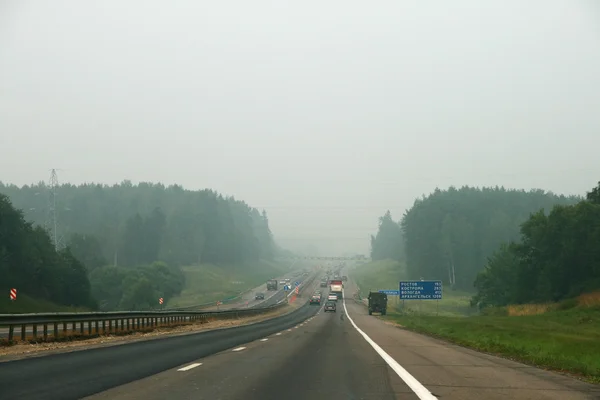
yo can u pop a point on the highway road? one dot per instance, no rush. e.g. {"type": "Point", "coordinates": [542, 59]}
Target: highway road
{"type": "Point", "coordinates": [305, 355]}
{"type": "Point", "coordinates": [246, 301]}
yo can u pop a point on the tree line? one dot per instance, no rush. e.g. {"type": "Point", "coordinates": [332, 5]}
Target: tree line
{"type": "Point", "coordinates": [30, 262]}
{"type": "Point", "coordinates": [556, 257]}
{"type": "Point", "coordinates": [130, 224]}
{"type": "Point", "coordinates": [142, 233]}
{"type": "Point", "coordinates": [450, 234]}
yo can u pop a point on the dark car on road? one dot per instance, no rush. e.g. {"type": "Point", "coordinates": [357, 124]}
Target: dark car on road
{"type": "Point", "coordinates": [330, 306]}
{"type": "Point", "coordinates": [315, 300]}
{"type": "Point", "coordinates": [259, 296]}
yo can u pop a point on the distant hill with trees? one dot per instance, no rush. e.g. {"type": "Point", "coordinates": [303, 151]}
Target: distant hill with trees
{"type": "Point", "coordinates": [135, 233]}
{"type": "Point", "coordinates": [450, 234]}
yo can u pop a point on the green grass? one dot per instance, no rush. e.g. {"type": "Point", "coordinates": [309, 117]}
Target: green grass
{"type": "Point", "coordinates": [378, 275]}
{"type": "Point", "coordinates": [386, 274]}
{"type": "Point", "coordinates": [559, 340]}
{"type": "Point", "coordinates": [27, 304]}
{"type": "Point", "coordinates": [207, 283]}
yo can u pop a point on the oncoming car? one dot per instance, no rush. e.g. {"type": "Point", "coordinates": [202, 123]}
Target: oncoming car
{"type": "Point", "coordinates": [259, 296]}
{"type": "Point", "coordinates": [330, 306]}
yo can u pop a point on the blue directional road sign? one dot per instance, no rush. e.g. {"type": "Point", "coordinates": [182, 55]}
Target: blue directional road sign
{"type": "Point", "coordinates": [390, 292]}
{"type": "Point", "coordinates": [286, 288]}
{"type": "Point", "coordinates": [420, 290]}
{"type": "Point", "coordinates": [297, 283]}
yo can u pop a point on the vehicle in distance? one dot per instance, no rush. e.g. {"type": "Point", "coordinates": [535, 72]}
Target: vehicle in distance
{"type": "Point", "coordinates": [344, 278]}
{"type": "Point", "coordinates": [336, 287]}
{"type": "Point", "coordinates": [259, 296]}
{"type": "Point", "coordinates": [377, 303]}
{"type": "Point", "coordinates": [330, 306]}
{"type": "Point", "coordinates": [332, 297]}
{"type": "Point", "coordinates": [323, 283]}
{"type": "Point", "coordinates": [272, 284]}
{"type": "Point", "coordinates": [315, 300]}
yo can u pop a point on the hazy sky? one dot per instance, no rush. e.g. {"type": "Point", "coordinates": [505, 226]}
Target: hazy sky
{"type": "Point", "coordinates": [326, 113]}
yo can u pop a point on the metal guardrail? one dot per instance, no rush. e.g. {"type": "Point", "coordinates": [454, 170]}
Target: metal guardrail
{"type": "Point", "coordinates": [303, 285]}
{"type": "Point", "coordinates": [65, 324]}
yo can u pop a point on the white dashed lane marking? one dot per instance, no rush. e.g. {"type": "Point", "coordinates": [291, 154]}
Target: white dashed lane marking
{"type": "Point", "coordinates": [238, 349]}
{"type": "Point", "coordinates": [264, 340]}
{"type": "Point", "coordinates": [278, 333]}
{"type": "Point", "coordinates": [190, 367]}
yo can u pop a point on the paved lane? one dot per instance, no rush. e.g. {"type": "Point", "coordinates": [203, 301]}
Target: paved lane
{"type": "Point", "coordinates": [300, 356]}
{"type": "Point", "coordinates": [323, 358]}
{"type": "Point", "coordinates": [82, 373]}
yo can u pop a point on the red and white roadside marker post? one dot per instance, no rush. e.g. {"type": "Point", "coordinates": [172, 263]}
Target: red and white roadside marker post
{"type": "Point", "coordinates": [13, 294]}
{"type": "Point", "coordinates": [160, 302]}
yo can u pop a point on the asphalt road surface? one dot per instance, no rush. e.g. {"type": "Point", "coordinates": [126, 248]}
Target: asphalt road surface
{"type": "Point", "coordinates": [300, 356]}
{"type": "Point", "coordinates": [271, 296]}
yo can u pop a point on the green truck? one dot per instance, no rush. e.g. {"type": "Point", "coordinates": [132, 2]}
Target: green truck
{"type": "Point", "coordinates": [377, 303]}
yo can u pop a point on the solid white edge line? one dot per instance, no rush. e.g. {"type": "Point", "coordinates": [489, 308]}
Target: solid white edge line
{"type": "Point", "coordinates": [416, 386]}
{"type": "Point", "coordinates": [190, 367]}
{"type": "Point", "coordinates": [238, 349]}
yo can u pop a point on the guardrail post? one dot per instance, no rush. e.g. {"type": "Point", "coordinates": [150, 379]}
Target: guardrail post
{"type": "Point", "coordinates": [45, 331]}
{"type": "Point", "coordinates": [81, 328]}
{"type": "Point", "coordinates": [11, 332]}
{"type": "Point", "coordinates": [34, 331]}
{"type": "Point", "coordinates": [128, 324]}
{"type": "Point", "coordinates": [55, 330]}
{"type": "Point", "coordinates": [103, 326]}
{"type": "Point", "coordinates": [64, 328]}
{"type": "Point", "coordinates": [96, 327]}
{"type": "Point", "coordinates": [89, 327]}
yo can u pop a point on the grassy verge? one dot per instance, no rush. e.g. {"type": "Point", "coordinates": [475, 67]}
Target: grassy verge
{"type": "Point", "coordinates": [561, 340]}
{"type": "Point", "coordinates": [378, 275]}
{"type": "Point", "coordinates": [386, 274]}
{"type": "Point", "coordinates": [207, 283]}
{"type": "Point", "coordinates": [27, 304]}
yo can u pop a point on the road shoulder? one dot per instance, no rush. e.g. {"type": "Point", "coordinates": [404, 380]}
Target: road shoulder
{"type": "Point", "coordinates": [451, 371]}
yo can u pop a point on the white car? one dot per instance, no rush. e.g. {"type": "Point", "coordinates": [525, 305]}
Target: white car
{"type": "Point", "coordinates": [332, 297]}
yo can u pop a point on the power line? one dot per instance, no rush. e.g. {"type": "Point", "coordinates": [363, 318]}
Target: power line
{"type": "Point", "coordinates": [52, 223]}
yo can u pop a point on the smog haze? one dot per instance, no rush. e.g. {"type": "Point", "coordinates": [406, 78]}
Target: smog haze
{"type": "Point", "coordinates": [325, 114]}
